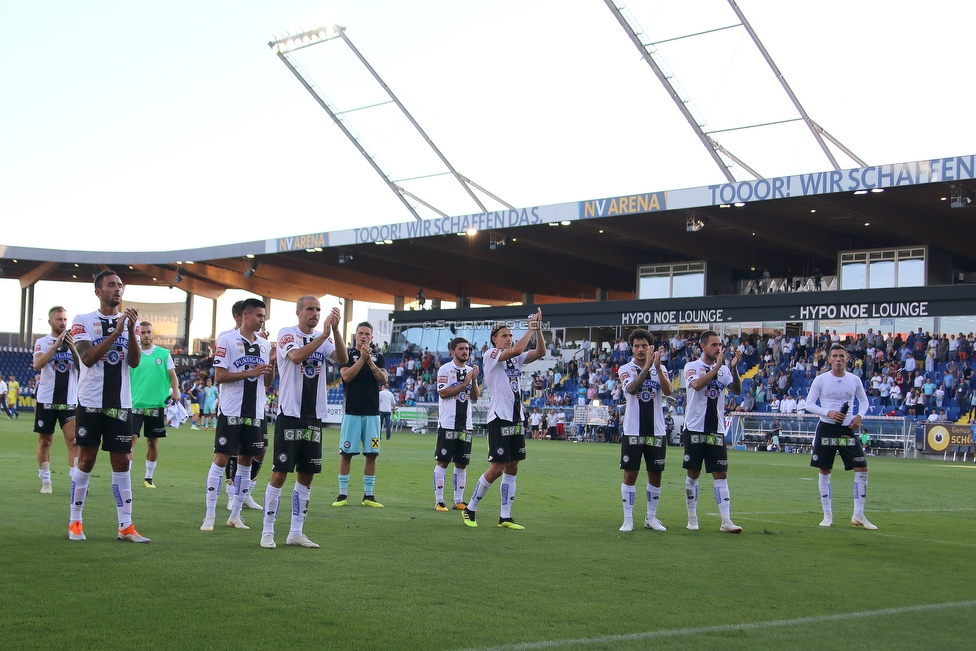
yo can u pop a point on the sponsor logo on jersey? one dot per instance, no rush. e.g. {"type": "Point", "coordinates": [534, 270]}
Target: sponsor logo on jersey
{"type": "Point", "coordinates": [77, 329]}
{"type": "Point", "coordinates": [494, 353]}
{"type": "Point", "coordinates": [158, 361]}
{"type": "Point", "coordinates": [221, 352]}
{"type": "Point", "coordinates": [287, 339]}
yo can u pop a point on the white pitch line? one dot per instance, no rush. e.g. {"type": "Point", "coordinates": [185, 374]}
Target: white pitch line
{"type": "Point", "coordinates": [725, 628]}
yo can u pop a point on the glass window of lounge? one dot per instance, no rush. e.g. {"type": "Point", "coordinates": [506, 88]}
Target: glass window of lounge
{"type": "Point", "coordinates": [883, 268]}
{"type": "Point", "coordinates": [676, 280]}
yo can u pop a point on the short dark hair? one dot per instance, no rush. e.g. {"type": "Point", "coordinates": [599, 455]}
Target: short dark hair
{"type": "Point", "coordinates": [640, 333]}
{"type": "Point", "coordinates": [238, 308]}
{"type": "Point", "coordinates": [367, 324]}
{"type": "Point", "coordinates": [839, 347]}
{"type": "Point", "coordinates": [144, 324]}
{"type": "Point", "coordinates": [453, 343]}
{"type": "Point", "coordinates": [251, 304]}
{"type": "Point", "coordinates": [101, 275]}
{"type": "Point", "coordinates": [705, 336]}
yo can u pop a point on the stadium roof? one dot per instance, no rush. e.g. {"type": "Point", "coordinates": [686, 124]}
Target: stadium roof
{"type": "Point", "coordinates": [572, 251]}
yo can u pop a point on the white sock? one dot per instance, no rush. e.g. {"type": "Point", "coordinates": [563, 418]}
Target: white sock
{"type": "Point", "coordinates": [242, 484]}
{"type": "Point", "coordinates": [460, 476]}
{"type": "Point", "coordinates": [251, 485]}
{"type": "Point", "coordinates": [722, 498]}
{"type": "Point", "coordinates": [691, 495]}
{"type": "Point", "coordinates": [122, 490]}
{"type": "Point", "coordinates": [150, 469]}
{"type": "Point", "coordinates": [479, 492]}
{"type": "Point", "coordinates": [825, 495]}
{"type": "Point", "coordinates": [215, 478]}
{"type": "Point", "coordinates": [860, 491]}
{"type": "Point", "coordinates": [508, 494]}
{"type": "Point", "coordinates": [272, 497]}
{"type": "Point", "coordinates": [299, 507]}
{"type": "Point", "coordinates": [653, 499]}
{"type": "Point", "coordinates": [440, 474]}
{"type": "Point", "coordinates": [44, 474]}
{"type": "Point", "coordinates": [628, 494]}
{"type": "Point", "coordinates": [79, 491]}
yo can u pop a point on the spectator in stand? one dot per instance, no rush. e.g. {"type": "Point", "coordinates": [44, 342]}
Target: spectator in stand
{"type": "Point", "coordinates": [940, 395]}
{"type": "Point", "coordinates": [894, 395]}
{"type": "Point", "coordinates": [928, 392]}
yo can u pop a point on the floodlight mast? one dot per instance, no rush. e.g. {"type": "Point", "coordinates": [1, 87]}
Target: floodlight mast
{"type": "Point", "coordinates": [280, 48]}
{"type": "Point", "coordinates": [283, 44]}
{"type": "Point", "coordinates": [396, 100]}
{"type": "Point", "coordinates": [650, 54]}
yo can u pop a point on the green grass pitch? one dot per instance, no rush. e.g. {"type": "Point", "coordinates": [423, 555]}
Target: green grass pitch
{"type": "Point", "coordinates": [407, 577]}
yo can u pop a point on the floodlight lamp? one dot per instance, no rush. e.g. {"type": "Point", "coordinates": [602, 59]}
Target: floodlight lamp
{"type": "Point", "coordinates": [471, 232]}
{"type": "Point", "coordinates": [961, 197]}
{"type": "Point", "coordinates": [695, 223]}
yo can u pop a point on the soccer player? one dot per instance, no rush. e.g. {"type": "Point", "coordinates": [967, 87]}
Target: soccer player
{"type": "Point", "coordinates": [13, 392]}
{"type": "Point", "coordinates": [707, 379]}
{"type": "Point", "coordinates": [107, 344]}
{"type": "Point", "coordinates": [243, 372]}
{"type": "Point", "coordinates": [506, 437]}
{"type": "Point", "coordinates": [154, 386]}
{"type": "Point", "coordinates": [457, 386]}
{"type": "Point", "coordinates": [837, 433]}
{"type": "Point", "coordinates": [237, 311]}
{"type": "Point", "coordinates": [56, 359]}
{"type": "Point", "coordinates": [302, 406]}
{"type": "Point", "coordinates": [362, 375]}
{"type": "Point", "coordinates": [645, 383]}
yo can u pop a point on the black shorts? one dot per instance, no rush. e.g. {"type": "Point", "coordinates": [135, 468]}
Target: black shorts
{"type": "Point", "coordinates": [47, 414]}
{"type": "Point", "coordinates": [831, 439]}
{"type": "Point", "coordinates": [453, 446]}
{"type": "Point", "coordinates": [651, 448]}
{"type": "Point", "coordinates": [297, 445]}
{"type": "Point", "coordinates": [110, 427]}
{"type": "Point", "coordinates": [506, 441]}
{"type": "Point", "coordinates": [239, 436]}
{"type": "Point", "coordinates": [709, 448]}
{"type": "Point", "coordinates": [154, 421]}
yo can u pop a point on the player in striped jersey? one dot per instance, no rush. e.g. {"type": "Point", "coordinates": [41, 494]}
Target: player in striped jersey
{"type": "Point", "coordinates": [107, 342]}
{"type": "Point", "coordinates": [645, 383]}
{"type": "Point", "coordinates": [242, 370]}
{"type": "Point", "coordinates": [56, 359]}
{"type": "Point", "coordinates": [302, 406]}
{"type": "Point", "coordinates": [707, 380]}
{"type": "Point", "coordinates": [457, 386]}
{"type": "Point", "coordinates": [506, 438]}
